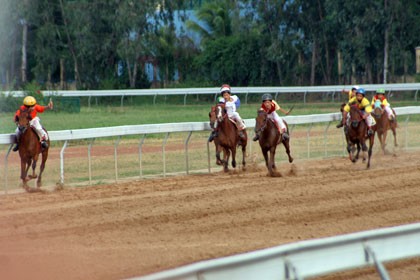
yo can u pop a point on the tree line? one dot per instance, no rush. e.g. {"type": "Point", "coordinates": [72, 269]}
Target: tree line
{"type": "Point", "coordinates": [105, 44]}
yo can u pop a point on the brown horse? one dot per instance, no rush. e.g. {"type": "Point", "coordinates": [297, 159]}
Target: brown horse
{"type": "Point", "coordinates": [228, 138]}
{"type": "Point", "coordinates": [356, 135]}
{"type": "Point", "coordinates": [213, 120]}
{"type": "Point", "coordinates": [269, 138]}
{"type": "Point", "coordinates": [383, 124]}
{"type": "Point", "coordinates": [29, 150]}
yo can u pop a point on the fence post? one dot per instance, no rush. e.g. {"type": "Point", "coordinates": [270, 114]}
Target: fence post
{"type": "Point", "coordinates": [186, 151]}
{"type": "Point", "coordinates": [62, 163]}
{"type": "Point", "coordinates": [163, 153]}
{"type": "Point", "coordinates": [140, 154]}
{"type": "Point", "coordinates": [116, 157]}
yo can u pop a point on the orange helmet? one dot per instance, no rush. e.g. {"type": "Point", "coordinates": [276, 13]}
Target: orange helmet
{"type": "Point", "coordinates": [29, 101]}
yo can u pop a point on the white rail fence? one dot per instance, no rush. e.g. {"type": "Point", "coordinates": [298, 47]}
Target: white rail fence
{"type": "Point", "coordinates": [307, 258]}
{"type": "Point", "coordinates": [331, 90]}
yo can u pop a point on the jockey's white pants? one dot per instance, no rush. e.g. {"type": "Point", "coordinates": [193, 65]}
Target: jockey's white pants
{"type": "Point", "coordinates": [235, 116]}
{"type": "Point", "coordinates": [36, 124]}
{"type": "Point", "coordinates": [389, 112]}
{"type": "Point", "coordinates": [279, 121]}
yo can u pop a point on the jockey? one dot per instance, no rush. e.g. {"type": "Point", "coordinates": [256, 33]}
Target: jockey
{"type": "Point", "coordinates": [29, 102]}
{"type": "Point", "coordinates": [230, 107]}
{"type": "Point", "coordinates": [351, 93]}
{"type": "Point", "coordinates": [270, 106]}
{"type": "Point", "coordinates": [380, 99]}
{"type": "Point", "coordinates": [364, 105]}
{"type": "Point", "coordinates": [220, 100]}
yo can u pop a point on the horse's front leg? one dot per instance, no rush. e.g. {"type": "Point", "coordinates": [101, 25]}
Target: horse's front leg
{"type": "Point", "coordinates": [234, 157]}
{"type": "Point", "coordinates": [371, 142]}
{"type": "Point", "coordinates": [243, 157]}
{"type": "Point", "coordinates": [364, 150]}
{"type": "Point", "coordinates": [265, 154]}
{"type": "Point", "coordinates": [23, 173]}
{"type": "Point", "coordinates": [272, 163]}
{"type": "Point", "coordinates": [383, 143]}
{"type": "Point", "coordinates": [218, 151]}
{"type": "Point", "coordinates": [225, 160]}
{"type": "Point", "coordinates": [33, 176]}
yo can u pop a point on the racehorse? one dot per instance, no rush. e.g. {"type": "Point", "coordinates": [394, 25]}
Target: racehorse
{"type": "Point", "coordinates": [356, 134]}
{"type": "Point", "coordinates": [228, 138]}
{"type": "Point", "coordinates": [29, 150]}
{"type": "Point", "coordinates": [213, 119]}
{"type": "Point", "coordinates": [269, 138]}
{"type": "Point", "coordinates": [383, 124]}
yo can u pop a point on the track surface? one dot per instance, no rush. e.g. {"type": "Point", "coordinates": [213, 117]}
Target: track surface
{"type": "Point", "coordinates": [140, 227]}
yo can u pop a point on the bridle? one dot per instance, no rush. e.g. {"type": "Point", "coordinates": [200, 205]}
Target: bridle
{"type": "Point", "coordinates": [261, 129]}
{"type": "Point", "coordinates": [22, 127]}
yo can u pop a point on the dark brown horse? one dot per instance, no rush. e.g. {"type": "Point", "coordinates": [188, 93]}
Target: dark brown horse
{"type": "Point", "coordinates": [29, 150]}
{"type": "Point", "coordinates": [269, 138]}
{"type": "Point", "coordinates": [228, 138]}
{"type": "Point", "coordinates": [356, 135]}
{"type": "Point", "coordinates": [383, 124]}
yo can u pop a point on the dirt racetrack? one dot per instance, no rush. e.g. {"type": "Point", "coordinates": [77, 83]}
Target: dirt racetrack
{"type": "Point", "coordinates": [140, 227]}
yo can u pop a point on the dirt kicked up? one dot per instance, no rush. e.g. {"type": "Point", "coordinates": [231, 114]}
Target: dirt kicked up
{"type": "Point", "coordinates": [136, 228]}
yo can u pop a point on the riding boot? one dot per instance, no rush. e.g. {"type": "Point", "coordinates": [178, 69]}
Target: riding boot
{"type": "Point", "coordinates": [44, 144]}
{"type": "Point", "coordinates": [285, 136]}
{"type": "Point", "coordinates": [212, 135]}
{"type": "Point", "coordinates": [370, 131]}
{"type": "Point", "coordinates": [340, 124]}
{"type": "Point", "coordinates": [241, 134]}
{"type": "Point", "coordinates": [256, 137]}
{"type": "Point", "coordinates": [16, 148]}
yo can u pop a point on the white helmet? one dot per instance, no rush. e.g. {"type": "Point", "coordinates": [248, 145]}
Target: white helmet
{"type": "Point", "coordinates": [224, 88]}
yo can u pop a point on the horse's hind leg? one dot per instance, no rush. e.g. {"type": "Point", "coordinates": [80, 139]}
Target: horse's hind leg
{"type": "Point", "coordinates": [243, 157]}
{"type": "Point", "coordinates": [41, 169]}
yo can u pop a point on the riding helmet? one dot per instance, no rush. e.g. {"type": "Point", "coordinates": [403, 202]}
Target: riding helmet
{"type": "Point", "coordinates": [29, 101]}
{"type": "Point", "coordinates": [361, 91]}
{"type": "Point", "coordinates": [380, 91]}
{"type": "Point", "coordinates": [266, 97]}
{"type": "Point", "coordinates": [224, 87]}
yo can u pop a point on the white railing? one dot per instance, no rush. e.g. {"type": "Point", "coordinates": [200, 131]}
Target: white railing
{"type": "Point", "coordinates": [120, 131]}
{"type": "Point", "coordinates": [307, 258]}
{"type": "Point", "coordinates": [215, 91]}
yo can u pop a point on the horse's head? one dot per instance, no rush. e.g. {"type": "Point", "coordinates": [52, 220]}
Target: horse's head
{"type": "Point", "coordinates": [220, 110]}
{"type": "Point", "coordinates": [355, 115]}
{"type": "Point", "coordinates": [23, 119]}
{"type": "Point", "coordinates": [377, 109]}
{"type": "Point", "coordinates": [212, 116]}
{"type": "Point", "coordinates": [260, 121]}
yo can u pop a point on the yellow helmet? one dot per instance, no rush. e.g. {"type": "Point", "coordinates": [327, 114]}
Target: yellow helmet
{"type": "Point", "coordinates": [29, 101]}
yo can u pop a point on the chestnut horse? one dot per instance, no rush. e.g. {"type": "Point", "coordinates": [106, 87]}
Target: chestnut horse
{"type": "Point", "coordinates": [356, 135]}
{"type": "Point", "coordinates": [228, 137]}
{"type": "Point", "coordinates": [269, 138]}
{"type": "Point", "coordinates": [213, 119]}
{"type": "Point", "coordinates": [383, 124]}
{"type": "Point", "coordinates": [29, 150]}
